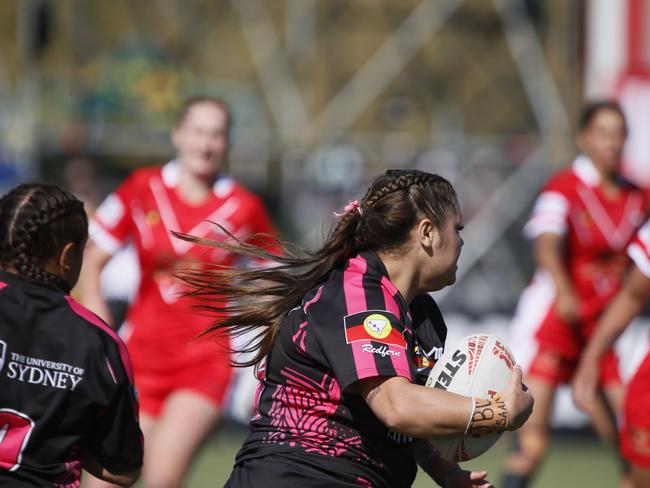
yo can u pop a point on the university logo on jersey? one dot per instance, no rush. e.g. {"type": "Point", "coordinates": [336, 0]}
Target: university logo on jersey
{"type": "Point", "coordinates": [3, 351]}
{"type": "Point", "coordinates": [373, 325]}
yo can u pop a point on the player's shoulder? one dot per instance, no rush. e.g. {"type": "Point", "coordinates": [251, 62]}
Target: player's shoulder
{"type": "Point", "coordinates": [632, 187]}
{"type": "Point", "coordinates": [93, 330]}
{"type": "Point", "coordinates": [98, 335]}
{"type": "Point", "coordinates": [428, 321]}
{"type": "Point", "coordinates": [329, 301]}
{"type": "Point", "coordinates": [359, 284]}
{"type": "Point", "coordinates": [326, 298]}
{"type": "Point", "coordinates": [425, 301]}
{"type": "Point", "coordinates": [563, 181]}
{"type": "Point", "coordinates": [424, 307]}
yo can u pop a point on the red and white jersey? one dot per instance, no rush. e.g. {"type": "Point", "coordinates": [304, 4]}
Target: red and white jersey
{"type": "Point", "coordinates": [597, 229]}
{"type": "Point", "coordinates": [598, 226]}
{"type": "Point", "coordinates": [639, 249]}
{"type": "Point", "coordinates": [145, 209]}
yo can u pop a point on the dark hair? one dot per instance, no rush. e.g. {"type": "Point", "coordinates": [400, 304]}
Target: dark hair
{"type": "Point", "coordinates": [591, 109]}
{"type": "Point", "coordinates": [199, 99]}
{"type": "Point", "coordinates": [256, 300]}
{"type": "Point", "coordinates": [36, 221]}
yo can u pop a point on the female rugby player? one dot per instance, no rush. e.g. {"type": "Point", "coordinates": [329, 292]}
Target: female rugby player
{"type": "Point", "coordinates": [635, 431]}
{"type": "Point", "coordinates": [581, 224]}
{"type": "Point", "coordinates": [66, 391]}
{"type": "Point", "coordinates": [345, 338]}
{"type": "Point", "coordinates": [182, 382]}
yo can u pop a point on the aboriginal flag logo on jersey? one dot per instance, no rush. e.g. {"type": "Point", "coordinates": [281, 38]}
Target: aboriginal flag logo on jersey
{"type": "Point", "coordinates": [373, 325]}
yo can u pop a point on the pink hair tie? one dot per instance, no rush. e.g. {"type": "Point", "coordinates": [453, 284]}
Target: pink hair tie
{"type": "Point", "coordinates": [352, 206]}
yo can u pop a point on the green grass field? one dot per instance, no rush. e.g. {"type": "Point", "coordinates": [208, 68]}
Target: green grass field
{"type": "Point", "coordinates": [572, 463]}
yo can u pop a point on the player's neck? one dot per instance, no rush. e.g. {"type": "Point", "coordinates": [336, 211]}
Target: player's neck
{"type": "Point", "coordinates": [193, 189]}
{"type": "Point", "coordinates": [402, 274]}
{"type": "Point", "coordinates": [609, 182]}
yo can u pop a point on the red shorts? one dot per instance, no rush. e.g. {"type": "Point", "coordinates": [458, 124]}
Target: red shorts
{"type": "Point", "coordinates": [199, 366]}
{"type": "Point", "coordinates": [635, 431]}
{"type": "Point", "coordinates": [556, 370]}
{"type": "Point", "coordinates": [559, 349]}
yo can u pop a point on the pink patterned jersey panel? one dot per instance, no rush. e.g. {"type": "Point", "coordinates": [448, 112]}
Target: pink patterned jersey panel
{"type": "Point", "coordinates": [301, 411]}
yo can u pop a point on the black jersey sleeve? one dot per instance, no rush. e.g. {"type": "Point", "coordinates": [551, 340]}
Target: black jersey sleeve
{"type": "Point", "coordinates": [115, 438]}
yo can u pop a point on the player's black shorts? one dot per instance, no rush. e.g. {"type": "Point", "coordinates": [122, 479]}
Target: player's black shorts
{"type": "Point", "coordinates": [277, 471]}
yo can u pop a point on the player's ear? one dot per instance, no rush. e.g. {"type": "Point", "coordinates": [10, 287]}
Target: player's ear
{"type": "Point", "coordinates": [427, 234]}
{"type": "Point", "coordinates": [66, 256]}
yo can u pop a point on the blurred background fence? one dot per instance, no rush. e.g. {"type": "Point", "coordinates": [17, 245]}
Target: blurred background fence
{"type": "Point", "coordinates": [326, 93]}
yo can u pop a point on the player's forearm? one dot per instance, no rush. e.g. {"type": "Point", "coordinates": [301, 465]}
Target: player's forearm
{"type": "Point", "coordinates": [127, 479]}
{"type": "Point", "coordinates": [422, 412]}
{"type": "Point", "coordinates": [548, 254]}
{"type": "Point", "coordinates": [418, 411]}
{"type": "Point", "coordinates": [94, 467]}
{"type": "Point", "coordinates": [623, 309]}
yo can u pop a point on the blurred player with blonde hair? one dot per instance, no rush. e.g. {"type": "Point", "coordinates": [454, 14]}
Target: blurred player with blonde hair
{"type": "Point", "coordinates": [182, 381]}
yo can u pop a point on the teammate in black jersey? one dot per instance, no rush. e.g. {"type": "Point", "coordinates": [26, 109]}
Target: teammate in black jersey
{"type": "Point", "coordinates": [66, 394]}
{"type": "Point", "coordinates": [346, 336]}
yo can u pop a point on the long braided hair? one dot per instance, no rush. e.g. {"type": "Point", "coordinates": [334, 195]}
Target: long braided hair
{"type": "Point", "coordinates": [36, 221]}
{"type": "Point", "coordinates": [256, 300]}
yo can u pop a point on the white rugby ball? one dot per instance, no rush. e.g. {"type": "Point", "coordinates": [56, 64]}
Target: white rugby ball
{"type": "Point", "coordinates": [478, 365]}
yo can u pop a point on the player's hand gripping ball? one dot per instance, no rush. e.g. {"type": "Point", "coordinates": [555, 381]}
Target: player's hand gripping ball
{"type": "Point", "coordinates": [480, 366]}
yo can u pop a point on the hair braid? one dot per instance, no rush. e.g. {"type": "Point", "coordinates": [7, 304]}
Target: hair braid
{"type": "Point", "coordinates": [395, 200]}
{"type": "Point", "coordinates": [36, 221]}
{"type": "Point", "coordinates": [402, 182]}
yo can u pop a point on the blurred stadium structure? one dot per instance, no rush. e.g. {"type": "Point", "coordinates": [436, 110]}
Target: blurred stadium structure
{"type": "Point", "coordinates": [327, 93]}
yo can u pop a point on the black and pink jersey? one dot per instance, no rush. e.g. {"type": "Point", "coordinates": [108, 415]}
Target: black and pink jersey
{"type": "Point", "coordinates": [65, 389]}
{"type": "Point", "coordinates": [355, 325]}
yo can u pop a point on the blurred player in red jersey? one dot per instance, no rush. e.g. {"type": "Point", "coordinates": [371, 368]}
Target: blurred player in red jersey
{"type": "Point", "coordinates": [581, 223]}
{"type": "Point", "coordinates": [181, 380]}
{"type": "Point", "coordinates": [66, 391]}
{"type": "Point", "coordinates": [628, 303]}
{"type": "Point", "coordinates": [346, 338]}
